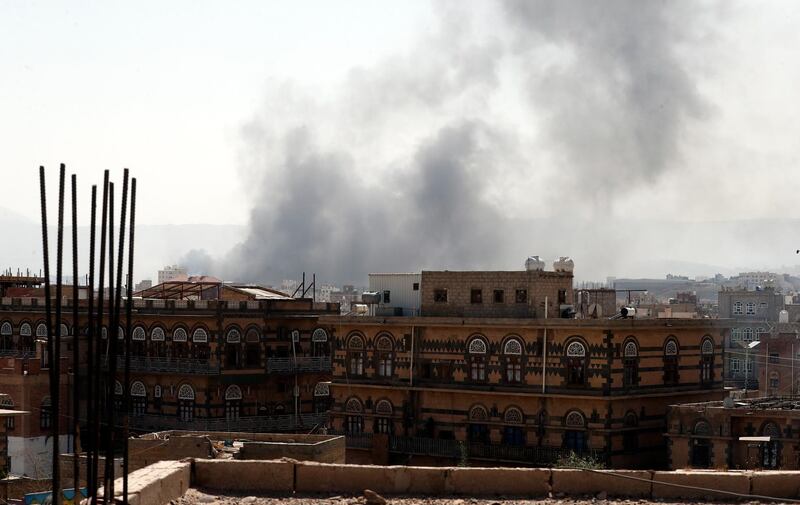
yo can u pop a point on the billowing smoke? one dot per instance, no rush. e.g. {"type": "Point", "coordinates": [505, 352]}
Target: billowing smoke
{"type": "Point", "coordinates": [467, 150]}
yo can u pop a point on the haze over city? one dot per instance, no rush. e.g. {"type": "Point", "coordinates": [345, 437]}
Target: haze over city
{"type": "Point", "coordinates": [639, 138]}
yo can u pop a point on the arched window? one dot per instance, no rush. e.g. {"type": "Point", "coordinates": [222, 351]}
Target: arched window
{"type": "Point", "coordinates": [576, 363]}
{"type": "Point", "coordinates": [747, 334]}
{"type": "Point", "coordinates": [157, 335]}
{"type": "Point", "coordinates": [383, 421]}
{"type": "Point", "coordinates": [700, 447]}
{"type": "Point", "coordinates": [186, 403]}
{"type": "Point", "coordinates": [702, 428]}
{"type": "Point", "coordinates": [478, 429]}
{"type": "Point", "coordinates": [738, 308]}
{"type": "Point", "coordinates": [118, 390]}
{"type": "Point", "coordinates": [120, 333]}
{"type": "Point", "coordinates": [630, 364]}
{"type": "Point", "coordinates": [736, 334]}
{"type": "Point", "coordinates": [26, 338]}
{"type": "Point", "coordinates": [25, 330]}
{"type": "Point", "coordinates": [477, 359]}
{"type": "Point", "coordinates": [575, 434]}
{"type": "Point", "coordinates": [355, 355]}
{"type": "Point", "coordinates": [322, 397]}
{"type": "Point", "coordinates": [354, 421]}
{"type": "Point", "coordinates": [512, 356]}
{"type": "Point", "coordinates": [774, 380]}
{"type": "Point", "coordinates": [6, 329]}
{"type": "Point", "coordinates": [630, 436]}
{"type": "Point", "coordinates": [200, 336]}
{"type": "Point", "coordinates": [513, 416]}
{"type": "Point", "coordinates": [41, 330]}
{"type": "Point", "coordinates": [233, 402]}
{"type": "Point", "coordinates": [671, 376]}
{"type": "Point", "coordinates": [157, 391]}
{"type": "Point", "coordinates": [179, 335]}
{"type": "Point", "coordinates": [385, 356]}
{"type": "Point", "coordinates": [252, 352]}
{"type": "Point", "coordinates": [63, 329]}
{"type": "Point", "coordinates": [751, 308]}
{"type": "Point", "coordinates": [138, 334]}
{"type": "Point", "coordinates": [319, 335]}
{"type": "Point", "coordinates": [138, 398]}
{"type": "Point", "coordinates": [233, 336]}
{"type": "Point", "coordinates": [6, 340]}
{"type": "Point", "coordinates": [707, 361]}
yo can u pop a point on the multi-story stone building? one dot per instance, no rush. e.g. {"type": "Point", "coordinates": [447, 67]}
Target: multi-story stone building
{"type": "Point", "coordinates": [753, 313]}
{"type": "Point", "coordinates": [751, 433]}
{"type": "Point", "coordinates": [432, 390]}
{"type": "Point", "coordinates": [248, 359]}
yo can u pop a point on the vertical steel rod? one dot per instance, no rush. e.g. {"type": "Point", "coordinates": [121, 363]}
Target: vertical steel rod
{"type": "Point", "coordinates": [111, 357]}
{"type": "Point", "coordinates": [90, 349]}
{"type": "Point", "coordinates": [128, 337]}
{"type": "Point", "coordinates": [99, 390]}
{"type": "Point", "coordinates": [46, 261]}
{"type": "Point", "coordinates": [118, 292]}
{"type": "Point", "coordinates": [56, 364]}
{"type": "Point", "coordinates": [76, 388]}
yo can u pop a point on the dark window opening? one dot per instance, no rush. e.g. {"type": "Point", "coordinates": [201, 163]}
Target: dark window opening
{"type": "Point", "coordinates": [354, 425]}
{"type": "Point", "coordinates": [415, 286]}
{"type": "Point", "coordinates": [701, 453]}
{"type": "Point", "coordinates": [383, 425]}
{"type": "Point", "coordinates": [576, 372]}
{"type": "Point", "coordinates": [671, 370]}
{"type": "Point", "coordinates": [498, 296]}
{"type": "Point", "coordinates": [478, 434]}
{"type": "Point", "coordinates": [631, 372]}
{"type": "Point", "coordinates": [514, 436]}
{"type": "Point", "coordinates": [513, 370]}
{"type": "Point", "coordinates": [387, 296]}
{"type": "Point", "coordinates": [476, 296]}
{"type": "Point", "coordinates": [477, 369]}
{"type": "Point", "coordinates": [707, 369]}
{"type": "Point", "coordinates": [440, 295]}
{"type": "Point", "coordinates": [575, 441]}
{"type": "Point", "coordinates": [562, 296]}
{"type": "Point", "coordinates": [522, 296]}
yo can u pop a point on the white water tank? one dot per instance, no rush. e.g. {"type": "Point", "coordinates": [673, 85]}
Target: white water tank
{"type": "Point", "coordinates": [563, 264]}
{"type": "Point", "coordinates": [783, 316]}
{"type": "Point", "coordinates": [534, 263]}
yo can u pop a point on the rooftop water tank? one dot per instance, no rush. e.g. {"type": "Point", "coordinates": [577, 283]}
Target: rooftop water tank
{"type": "Point", "coordinates": [563, 264]}
{"type": "Point", "coordinates": [783, 316]}
{"type": "Point", "coordinates": [534, 263]}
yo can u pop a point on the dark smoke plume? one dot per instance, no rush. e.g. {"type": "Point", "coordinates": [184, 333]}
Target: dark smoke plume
{"type": "Point", "coordinates": [415, 162]}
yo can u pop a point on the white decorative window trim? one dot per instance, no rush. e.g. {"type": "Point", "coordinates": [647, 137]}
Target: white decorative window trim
{"type": "Point", "coordinates": [383, 408]}
{"type": "Point", "coordinates": [157, 335]}
{"type": "Point", "coordinates": [513, 347]}
{"type": "Point", "coordinates": [319, 335]}
{"type": "Point", "coordinates": [576, 350]}
{"type": "Point", "coordinates": [233, 336]}
{"type": "Point", "coordinates": [671, 349]}
{"type": "Point", "coordinates": [138, 334]}
{"type": "Point", "coordinates": [477, 346]}
{"type": "Point", "coordinates": [707, 347]}
{"type": "Point", "coordinates": [185, 392]}
{"type": "Point", "coordinates": [157, 391]}
{"type": "Point", "coordinates": [6, 329]}
{"type": "Point", "coordinates": [25, 330]}
{"type": "Point", "coordinates": [384, 343]}
{"type": "Point", "coordinates": [233, 392]}
{"type": "Point", "coordinates": [138, 389]}
{"type": "Point", "coordinates": [200, 335]}
{"type": "Point", "coordinates": [478, 413]}
{"type": "Point", "coordinates": [575, 420]}
{"type": "Point", "coordinates": [41, 330]}
{"type": "Point", "coordinates": [354, 405]}
{"type": "Point", "coordinates": [631, 350]}
{"type": "Point", "coordinates": [356, 343]}
{"type": "Point", "coordinates": [179, 335]}
{"type": "Point", "coordinates": [322, 389]}
{"type": "Point", "coordinates": [513, 416]}
{"type": "Point", "coordinates": [118, 388]}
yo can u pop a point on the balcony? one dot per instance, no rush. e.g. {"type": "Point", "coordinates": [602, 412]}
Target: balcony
{"type": "Point", "coordinates": [15, 353]}
{"type": "Point", "coordinates": [168, 365]}
{"type": "Point", "coordinates": [263, 424]}
{"type": "Point", "coordinates": [302, 364]}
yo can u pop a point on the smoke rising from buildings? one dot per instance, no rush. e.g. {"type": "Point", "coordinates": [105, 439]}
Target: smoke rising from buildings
{"type": "Point", "coordinates": [508, 130]}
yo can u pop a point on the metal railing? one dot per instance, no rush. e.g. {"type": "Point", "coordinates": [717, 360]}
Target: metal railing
{"type": "Point", "coordinates": [302, 364]}
{"type": "Point", "coordinates": [254, 424]}
{"type": "Point", "coordinates": [16, 353]}
{"type": "Point", "coordinates": [176, 365]}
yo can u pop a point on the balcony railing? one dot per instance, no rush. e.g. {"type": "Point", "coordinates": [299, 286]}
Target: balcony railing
{"type": "Point", "coordinates": [302, 364]}
{"type": "Point", "coordinates": [173, 365]}
{"type": "Point", "coordinates": [420, 446]}
{"type": "Point", "coordinates": [264, 424]}
{"type": "Point", "coordinates": [15, 353]}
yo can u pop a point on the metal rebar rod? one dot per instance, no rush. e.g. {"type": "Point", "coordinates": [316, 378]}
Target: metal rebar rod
{"type": "Point", "coordinates": [98, 386]}
{"type": "Point", "coordinates": [128, 337]}
{"type": "Point", "coordinates": [111, 357]}
{"type": "Point", "coordinates": [56, 364]}
{"type": "Point", "coordinates": [90, 347]}
{"type": "Point", "coordinates": [46, 261]}
{"type": "Point", "coordinates": [76, 389]}
{"type": "Point", "coordinates": [118, 292]}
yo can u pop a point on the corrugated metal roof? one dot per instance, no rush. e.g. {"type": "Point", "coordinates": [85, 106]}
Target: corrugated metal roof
{"type": "Point", "coordinates": [260, 293]}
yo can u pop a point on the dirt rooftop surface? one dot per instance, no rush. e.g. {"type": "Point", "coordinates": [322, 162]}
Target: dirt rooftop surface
{"type": "Point", "coordinates": [197, 497]}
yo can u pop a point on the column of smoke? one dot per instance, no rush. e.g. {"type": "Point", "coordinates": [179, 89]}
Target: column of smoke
{"type": "Point", "coordinates": [508, 130]}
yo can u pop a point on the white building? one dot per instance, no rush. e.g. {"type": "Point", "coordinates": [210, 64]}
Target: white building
{"type": "Point", "coordinates": [399, 293]}
{"type": "Point", "coordinates": [172, 273]}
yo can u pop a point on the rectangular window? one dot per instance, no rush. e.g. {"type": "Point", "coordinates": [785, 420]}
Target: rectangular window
{"type": "Point", "coordinates": [773, 357]}
{"type": "Point", "coordinates": [440, 295]}
{"type": "Point", "coordinates": [498, 296]}
{"type": "Point", "coordinates": [415, 286]}
{"type": "Point", "coordinates": [387, 298]}
{"type": "Point", "coordinates": [45, 419]}
{"type": "Point", "coordinates": [562, 296]}
{"type": "Point", "coordinates": [476, 296]}
{"type": "Point", "coordinates": [522, 296]}
{"type": "Point", "coordinates": [735, 365]}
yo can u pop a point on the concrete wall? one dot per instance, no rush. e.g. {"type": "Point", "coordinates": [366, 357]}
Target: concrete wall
{"type": "Point", "coordinates": [290, 476]}
{"type": "Point", "coordinates": [325, 451]}
{"type": "Point", "coordinates": [32, 456]}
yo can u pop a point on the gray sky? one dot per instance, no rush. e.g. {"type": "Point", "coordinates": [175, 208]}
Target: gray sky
{"type": "Point", "coordinates": [357, 136]}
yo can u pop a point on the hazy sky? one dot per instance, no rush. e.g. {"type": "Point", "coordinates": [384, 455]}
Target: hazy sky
{"type": "Point", "coordinates": [358, 135]}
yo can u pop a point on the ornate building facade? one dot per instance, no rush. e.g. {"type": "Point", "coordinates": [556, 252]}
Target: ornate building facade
{"type": "Point", "coordinates": [432, 390]}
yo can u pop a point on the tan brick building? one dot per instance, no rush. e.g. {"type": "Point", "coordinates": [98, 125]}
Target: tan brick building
{"type": "Point", "coordinates": [521, 391]}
